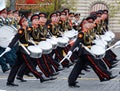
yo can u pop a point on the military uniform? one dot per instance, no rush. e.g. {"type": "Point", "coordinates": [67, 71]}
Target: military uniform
{"type": "Point", "coordinates": [22, 56]}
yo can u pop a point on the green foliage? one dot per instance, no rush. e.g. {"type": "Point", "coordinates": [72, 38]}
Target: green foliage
{"type": "Point", "coordinates": [114, 8]}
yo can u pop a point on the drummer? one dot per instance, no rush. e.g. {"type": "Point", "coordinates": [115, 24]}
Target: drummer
{"type": "Point", "coordinates": [16, 19]}
{"type": "Point", "coordinates": [76, 23]}
{"type": "Point", "coordinates": [54, 28]}
{"type": "Point", "coordinates": [35, 29]}
{"type": "Point", "coordinates": [108, 58]}
{"type": "Point", "coordinates": [3, 16]}
{"type": "Point", "coordinates": [22, 55]}
{"type": "Point", "coordinates": [10, 56]}
{"type": "Point", "coordinates": [41, 30]}
{"type": "Point", "coordinates": [103, 74]}
{"type": "Point", "coordinates": [47, 34]}
{"type": "Point", "coordinates": [2, 63]}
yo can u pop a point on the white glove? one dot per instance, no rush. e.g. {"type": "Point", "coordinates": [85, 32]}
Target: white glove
{"type": "Point", "coordinates": [69, 54]}
{"type": "Point", "coordinates": [117, 43]}
{"type": "Point", "coordinates": [7, 49]}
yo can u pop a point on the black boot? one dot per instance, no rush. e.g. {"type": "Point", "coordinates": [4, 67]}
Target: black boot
{"type": "Point", "coordinates": [43, 79]}
{"type": "Point", "coordinates": [11, 84]}
{"type": "Point", "coordinates": [74, 85]}
{"type": "Point", "coordinates": [21, 79]}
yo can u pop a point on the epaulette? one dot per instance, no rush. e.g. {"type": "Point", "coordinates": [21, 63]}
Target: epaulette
{"type": "Point", "coordinates": [29, 28]}
{"type": "Point", "coordinates": [49, 26]}
{"type": "Point", "coordinates": [60, 22]}
{"type": "Point", "coordinates": [1, 20]}
{"type": "Point", "coordinates": [80, 35]}
{"type": "Point", "coordinates": [20, 31]}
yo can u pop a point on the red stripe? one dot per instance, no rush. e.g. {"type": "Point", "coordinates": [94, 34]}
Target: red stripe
{"type": "Point", "coordinates": [106, 61]}
{"type": "Point", "coordinates": [97, 67]}
{"type": "Point", "coordinates": [46, 63]}
{"type": "Point", "coordinates": [39, 65]}
{"type": "Point", "coordinates": [52, 62]}
{"type": "Point", "coordinates": [57, 55]}
{"type": "Point", "coordinates": [35, 72]}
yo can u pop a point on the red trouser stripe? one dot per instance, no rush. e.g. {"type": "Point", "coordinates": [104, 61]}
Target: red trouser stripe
{"type": "Point", "coordinates": [46, 63]}
{"type": "Point", "coordinates": [106, 61]}
{"type": "Point", "coordinates": [39, 65]}
{"type": "Point", "coordinates": [98, 69]}
{"type": "Point", "coordinates": [28, 65]}
{"type": "Point", "coordinates": [52, 62]}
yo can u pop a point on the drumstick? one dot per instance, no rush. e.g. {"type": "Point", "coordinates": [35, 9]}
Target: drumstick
{"type": "Point", "coordinates": [3, 53]}
{"type": "Point", "coordinates": [63, 59]}
{"type": "Point", "coordinates": [25, 48]}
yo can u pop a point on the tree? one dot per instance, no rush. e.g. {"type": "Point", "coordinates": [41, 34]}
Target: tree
{"type": "Point", "coordinates": [12, 4]}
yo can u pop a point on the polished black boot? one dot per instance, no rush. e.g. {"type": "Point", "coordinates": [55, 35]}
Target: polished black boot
{"type": "Point", "coordinates": [21, 79]}
{"type": "Point", "coordinates": [43, 79]}
{"type": "Point", "coordinates": [74, 85]}
{"type": "Point", "coordinates": [11, 84]}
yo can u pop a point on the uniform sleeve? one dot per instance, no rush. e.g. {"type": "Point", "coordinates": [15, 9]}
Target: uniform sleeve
{"type": "Point", "coordinates": [1, 22]}
{"type": "Point", "coordinates": [16, 38]}
{"type": "Point", "coordinates": [79, 39]}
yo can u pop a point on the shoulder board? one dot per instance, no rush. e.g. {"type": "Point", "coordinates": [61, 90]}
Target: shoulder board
{"type": "Point", "coordinates": [60, 22]}
{"type": "Point", "coordinates": [30, 28]}
{"type": "Point", "coordinates": [80, 35]}
{"type": "Point", "coordinates": [1, 20]}
{"type": "Point", "coordinates": [49, 26]}
{"type": "Point", "coordinates": [20, 31]}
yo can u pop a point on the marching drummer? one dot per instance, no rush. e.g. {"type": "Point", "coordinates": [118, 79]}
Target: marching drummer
{"type": "Point", "coordinates": [10, 56]}
{"type": "Point", "coordinates": [54, 28]}
{"type": "Point", "coordinates": [84, 57]}
{"type": "Point", "coordinates": [22, 54]}
{"type": "Point", "coordinates": [3, 16]}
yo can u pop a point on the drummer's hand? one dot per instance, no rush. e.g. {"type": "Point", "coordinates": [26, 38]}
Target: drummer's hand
{"type": "Point", "coordinates": [69, 54]}
{"type": "Point", "coordinates": [7, 49]}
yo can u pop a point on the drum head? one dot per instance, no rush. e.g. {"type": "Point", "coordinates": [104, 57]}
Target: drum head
{"type": "Point", "coordinates": [6, 35]}
{"type": "Point", "coordinates": [106, 38]}
{"type": "Point", "coordinates": [34, 49]}
{"type": "Point", "coordinates": [97, 50]}
{"type": "Point", "coordinates": [45, 45]}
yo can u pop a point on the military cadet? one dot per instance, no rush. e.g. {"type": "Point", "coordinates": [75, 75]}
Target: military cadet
{"type": "Point", "coordinates": [3, 16]}
{"type": "Point", "coordinates": [70, 20]}
{"type": "Point", "coordinates": [63, 21]}
{"type": "Point", "coordinates": [76, 23]}
{"type": "Point", "coordinates": [54, 28]}
{"type": "Point", "coordinates": [2, 60]}
{"type": "Point", "coordinates": [84, 57]}
{"type": "Point", "coordinates": [22, 54]}
{"type": "Point", "coordinates": [16, 18]}
{"type": "Point", "coordinates": [8, 57]}
{"type": "Point", "coordinates": [42, 63]}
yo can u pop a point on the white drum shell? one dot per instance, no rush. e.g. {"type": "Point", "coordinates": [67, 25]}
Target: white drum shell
{"type": "Point", "coordinates": [35, 51]}
{"type": "Point", "coordinates": [98, 51]}
{"type": "Point", "coordinates": [62, 42]}
{"type": "Point", "coordinates": [53, 42]}
{"type": "Point", "coordinates": [6, 35]}
{"type": "Point", "coordinates": [70, 34]}
{"type": "Point", "coordinates": [45, 46]}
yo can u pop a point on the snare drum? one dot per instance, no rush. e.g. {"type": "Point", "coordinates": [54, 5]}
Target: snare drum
{"type": "Point", "coordinates": [70, 34]}
{"type": "Point", "coordinates": [98, 51]}
{"type": "Point", "coordinates": [106, 38]}
{"type": "Point", "coordinates": [35, 51]}
{"type": "Point", "coordinates": [53, 42]}
{"type": "Point", "coordinates": [6, 35]}
{"type": "Point", "coordinates": [62, 42]}
{"type": "Point", "coordinates": [100, 42]}
{"type": "Point", "coordinates": [45, 46]}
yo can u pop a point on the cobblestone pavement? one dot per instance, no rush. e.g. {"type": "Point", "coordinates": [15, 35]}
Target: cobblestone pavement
{"type": "Point", "coordinates": [87, 82]}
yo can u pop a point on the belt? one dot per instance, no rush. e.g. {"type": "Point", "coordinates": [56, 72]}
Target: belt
{"type": "Point", "coordinates": [36, 42]}
{"type": "Point", "coordinates": [25, 45]}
